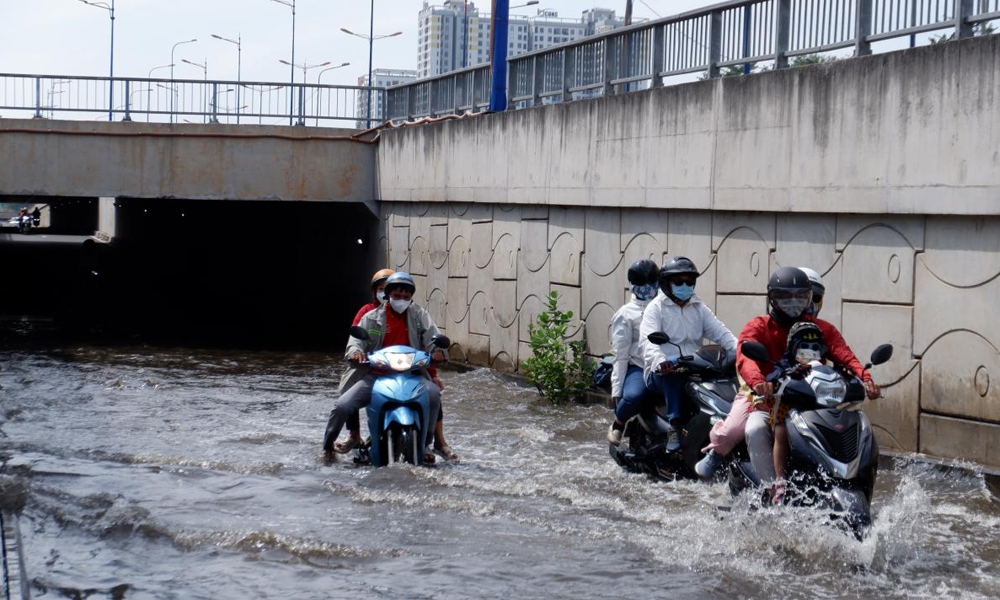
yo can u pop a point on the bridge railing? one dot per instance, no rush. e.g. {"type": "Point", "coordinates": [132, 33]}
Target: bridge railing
{"type": "Point", "coordinates": [186, 100]}
{"type": "Point", "coordinates": [706, 41]}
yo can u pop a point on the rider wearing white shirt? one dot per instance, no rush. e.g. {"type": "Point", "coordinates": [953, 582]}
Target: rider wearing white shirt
{"type": "Point", "coordinates": [681, 314]}
{"type": "Point", "coordinates": [628, 385]}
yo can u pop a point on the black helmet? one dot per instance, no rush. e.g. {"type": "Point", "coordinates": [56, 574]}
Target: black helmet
{"type": "Point", "coordinates": [788, 278]}
{"type": "Point", "coordinates": [678, 265]}
{"type": "Point", "coordinates": [789, 285]}
{"type": "Point", "coordinates": [804, 331]}
{"type": "Point", "coordinates": [642, 272]}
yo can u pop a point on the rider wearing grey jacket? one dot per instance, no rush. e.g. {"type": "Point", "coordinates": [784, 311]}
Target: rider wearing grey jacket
{"type": "Point", "coordinates": [398, 321]}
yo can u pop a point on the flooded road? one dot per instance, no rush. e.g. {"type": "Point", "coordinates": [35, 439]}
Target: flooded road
{"type": "Point", "coordinates": [179, 473]}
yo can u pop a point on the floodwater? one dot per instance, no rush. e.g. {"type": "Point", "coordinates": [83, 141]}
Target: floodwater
{"type": "Point", "coordinates": [186, 473]}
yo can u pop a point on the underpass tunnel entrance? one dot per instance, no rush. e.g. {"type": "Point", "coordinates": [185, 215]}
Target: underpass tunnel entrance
{"type": "Point", "coordinates": [234, 272]}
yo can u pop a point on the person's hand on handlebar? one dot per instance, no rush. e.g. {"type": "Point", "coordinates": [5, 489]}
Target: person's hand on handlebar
{"type": "Point", "coordinates": [872, 390]}
{"type": "Point", "coordinates": [357, 357]}
{"type": "Point", "coordinates": [437, 356]}
{"type": "Point", "coordinates": [665, 368]}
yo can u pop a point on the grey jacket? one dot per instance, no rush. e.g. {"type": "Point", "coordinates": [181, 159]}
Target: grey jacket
{"type": "Point", "coordinates": [419, 327]}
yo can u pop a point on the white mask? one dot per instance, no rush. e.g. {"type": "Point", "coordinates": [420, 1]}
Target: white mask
{"type": "Point", "coordinates": [793, 307]}
{"type": "Point", "coordinates": [399, 305]}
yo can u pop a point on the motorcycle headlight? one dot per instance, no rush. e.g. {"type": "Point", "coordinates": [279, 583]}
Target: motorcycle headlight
{"type": "Point", "coordinates": [400, 361]}
{"type": "Point", "coordinates": [829, 393]}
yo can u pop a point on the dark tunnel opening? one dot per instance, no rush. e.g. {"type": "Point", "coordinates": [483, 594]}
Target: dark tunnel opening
{"type": "Point", "coordinates": [202, 272]}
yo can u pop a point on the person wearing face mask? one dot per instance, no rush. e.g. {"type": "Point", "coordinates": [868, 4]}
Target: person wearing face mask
{"type": "Point", "coordinates": [628, 384]}
{"type": "Point", "coordinates": [725, 435]}
{"type": "Point", "coordinates": [789, 294]}
{"type": "Point", "coordinates": [378, 295]}
{"type": "Point", "coordinates": [399, 321]}
{"type": "Point", "coordinates": [354, 422]}
{"type": "Point", "coordinates": [681, 314]}
{"type": "Point", "coordinates": [819, 290]}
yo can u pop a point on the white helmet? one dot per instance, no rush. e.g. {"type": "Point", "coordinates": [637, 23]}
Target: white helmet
{"type": "Point", "coordinates": [819, 290]}
{"type": "Point", "coordinates": [814, 279]}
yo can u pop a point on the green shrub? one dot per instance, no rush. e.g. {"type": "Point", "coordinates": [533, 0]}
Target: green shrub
{"type": "Point", "coordinates": [558, 367]}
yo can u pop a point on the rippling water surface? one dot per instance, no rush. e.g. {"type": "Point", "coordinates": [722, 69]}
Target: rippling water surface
{"type": "Point", "coordinates": [178, 473]}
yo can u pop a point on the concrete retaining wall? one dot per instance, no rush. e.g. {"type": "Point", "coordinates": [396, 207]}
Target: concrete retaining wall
{"type": "Point", "coordinates": [881, 173]}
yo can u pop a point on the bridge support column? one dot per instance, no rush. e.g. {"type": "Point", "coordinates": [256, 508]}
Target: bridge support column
{"type": "Point", "coordinates": [105, 219]}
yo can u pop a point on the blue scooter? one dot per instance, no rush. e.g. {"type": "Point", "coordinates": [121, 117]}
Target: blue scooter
{"type": "Point", "coordinates": [398, 416]}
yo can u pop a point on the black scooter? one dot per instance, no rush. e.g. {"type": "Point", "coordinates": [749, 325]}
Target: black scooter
{"type": "Point", "coordinates": [709, 392]}
{"type": "Point", "coordinates": [833, 458]}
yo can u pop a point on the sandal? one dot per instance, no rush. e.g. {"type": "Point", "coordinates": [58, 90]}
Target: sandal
{"type": "Point", "coordinates": [445, 452]}
{"type": "Point", "coordinates": [345, 447]}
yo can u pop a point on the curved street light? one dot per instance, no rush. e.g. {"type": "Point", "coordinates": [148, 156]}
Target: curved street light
{"type": "Point", "coordinates": [319, 79]}
{"type": "Point", "coordinates": [150, 88]}
{"type": "Point", "coordinates": [111, 82]}
{"type": "Point", "coordinates": [371, 37]}
{"type": "Point", "coordinates": [174, 89]}
{"type": "Point", "coordinates": [302, 90]}
{"type": "Point", "coordinates": [291, 5]}
{"type": "Point", "coordinates": [239, 60]}
{"type": "Point", "coordinates": [204, 68]}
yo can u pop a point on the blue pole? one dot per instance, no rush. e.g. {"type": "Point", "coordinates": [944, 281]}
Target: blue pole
{"type": "Point", "coordinates": [498, 93]}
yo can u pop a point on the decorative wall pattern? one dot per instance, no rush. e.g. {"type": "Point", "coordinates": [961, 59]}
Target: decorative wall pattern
{"type": "Point", "coordinates": [926, 284]}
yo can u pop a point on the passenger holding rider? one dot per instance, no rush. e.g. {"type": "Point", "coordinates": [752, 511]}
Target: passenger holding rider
{"type": "Point", "coordinates": [628, 384]}
{"type": "Point", "coordinates": [789, 294]}
{"type": "Point", "coordinates": [726, 435]}
{"type": "Point", "coordinates": [399, 321]}
{"type": "Point", "coordinates": [681, 314]}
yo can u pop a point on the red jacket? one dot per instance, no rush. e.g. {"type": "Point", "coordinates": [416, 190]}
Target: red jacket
{"type": "Point", "coordinates": [364, 311]}
{"type": "Point", "coordinates": [774, 336]}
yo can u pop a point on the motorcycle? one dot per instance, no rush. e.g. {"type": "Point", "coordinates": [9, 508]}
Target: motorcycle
{"type": "Point", "coordinates": [833, 458]}
{"type": "Point", "coordinates": [709, 392]}
{"type": "Point", "coordinates": [398, 416]}
{"type": "Point", "coordinates": [24, 224]}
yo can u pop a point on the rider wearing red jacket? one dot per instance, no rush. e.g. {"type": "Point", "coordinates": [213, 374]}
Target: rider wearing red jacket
{"type": "Point", "coordinates": [789, 293]}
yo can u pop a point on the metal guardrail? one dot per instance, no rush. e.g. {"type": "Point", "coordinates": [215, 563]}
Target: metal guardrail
{"type": "Point", "coordinates": [706, 41]}
{"type": "Point", "coordinates": [181, 100]}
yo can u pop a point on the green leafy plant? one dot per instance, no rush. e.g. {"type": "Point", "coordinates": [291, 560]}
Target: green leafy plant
{"type": "Point", "coordinates": [558, 366]}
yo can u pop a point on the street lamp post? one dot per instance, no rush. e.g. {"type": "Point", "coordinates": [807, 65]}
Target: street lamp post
{"type": "Point", "coordinates": [239, 60]}
{"type": "Point", "coordinates": [150, 88]}
{"type": "Point", "coordinates": [260, 99]}
{"type": "Point", "coordinates": [291, 108]}
{"type": "Point", "coordinates": [371, 40]}
{"type": "Point", "coordinates": [173, 89]}
{"type": "Point", "coordinates": [319, 79]}
{"type": "Point", "coordinates": [111, 82]}
{"type": "Point", "coordinates": [302, 90]}
{"type": "Point", "coordinates": [204, 68]}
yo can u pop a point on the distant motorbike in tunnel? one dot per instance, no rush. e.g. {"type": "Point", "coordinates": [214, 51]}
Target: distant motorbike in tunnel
{"type": "Point", "coordinates": [24, 223]}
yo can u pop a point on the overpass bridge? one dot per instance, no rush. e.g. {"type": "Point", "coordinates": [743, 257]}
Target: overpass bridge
{"type": "Point", "coordinates": [880, 172]}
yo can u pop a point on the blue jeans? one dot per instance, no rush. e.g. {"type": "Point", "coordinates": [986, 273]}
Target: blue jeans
{"type": "Point", "coordinates": [672, 388]}
{"type": "Point", "coordinates": [635, 395]}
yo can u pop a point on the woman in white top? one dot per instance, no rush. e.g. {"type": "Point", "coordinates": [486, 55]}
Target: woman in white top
{"type": "Point", "coordinates": [628, 385]}
{"type": "Point", "coordinates": [681, 314]}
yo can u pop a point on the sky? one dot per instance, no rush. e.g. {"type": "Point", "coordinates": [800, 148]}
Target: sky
{"type": "Point", "coordinates": [68, 37]}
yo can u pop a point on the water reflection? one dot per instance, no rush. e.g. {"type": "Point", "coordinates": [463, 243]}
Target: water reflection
{"type": "Point", "coordinates": [178, 473]}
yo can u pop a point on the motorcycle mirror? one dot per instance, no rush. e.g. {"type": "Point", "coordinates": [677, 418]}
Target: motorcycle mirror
{"type": "Point", "coordinates": [441, 341]}
{"type": "Point", "coordinates": [755, 351]}
{"type": "Point", "coordinates": [659, 338]}
{"type": "Point", "coordinates": [359, 332]}
{"type": "Point", "coordinates": [882, 354]}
